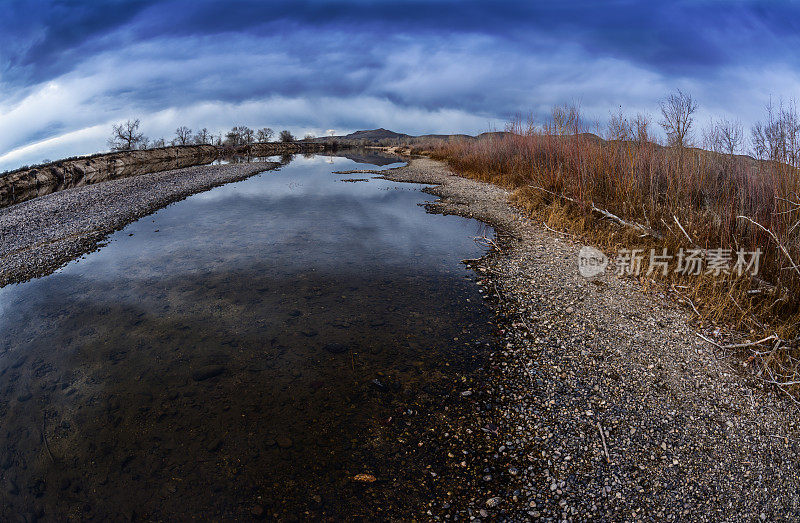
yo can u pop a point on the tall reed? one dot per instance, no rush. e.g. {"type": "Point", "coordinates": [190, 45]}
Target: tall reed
{"type": "Point", "coordinates": [688, 197]}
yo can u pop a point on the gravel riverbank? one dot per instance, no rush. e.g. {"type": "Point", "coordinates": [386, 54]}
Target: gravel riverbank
{"type": "Point", "coordinates": [607, 404]}
{"type": "Point", "coordinates": [601, 403]}
{"type": "Point", "coordinates": [40, 235]}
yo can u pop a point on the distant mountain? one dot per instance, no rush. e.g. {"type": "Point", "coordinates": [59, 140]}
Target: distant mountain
{"type": "Point", "coordinates": [386, 137]}
{"type": "Point", "coordinates": [375, 135]}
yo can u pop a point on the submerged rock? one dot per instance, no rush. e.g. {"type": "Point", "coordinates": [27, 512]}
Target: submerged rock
{"type": "Point", "coordinates": [209, 371]}
{"type": "Point", "coordinates": [336, 348]}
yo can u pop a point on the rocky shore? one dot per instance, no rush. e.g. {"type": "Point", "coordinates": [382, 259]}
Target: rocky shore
{"type": "Point", "coordinates": [31, 182]}
{"type": "Point", "coordinates": [40, 235]}
{"type": "Point", "coordinates": [605, 403]}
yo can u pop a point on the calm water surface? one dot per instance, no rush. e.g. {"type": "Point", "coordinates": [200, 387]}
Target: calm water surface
{"type": "Point", "coordinates": [243, 353]}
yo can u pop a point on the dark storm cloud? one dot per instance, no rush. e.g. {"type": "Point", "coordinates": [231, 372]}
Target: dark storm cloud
{"type": "Point", "coordinates": [68, 68]}
{"type": "Point", "coordinates": [666, 36]}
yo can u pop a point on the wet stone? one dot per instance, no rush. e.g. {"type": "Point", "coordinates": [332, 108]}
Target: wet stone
{"type": "Point", "coordinates": [24, 396]}
{"type": "Point", "coordinates": [207, 372]}
{"type": "Point", "coordinates": [257, 511]}
{"type": "Point", "coordinates": [336, 348]}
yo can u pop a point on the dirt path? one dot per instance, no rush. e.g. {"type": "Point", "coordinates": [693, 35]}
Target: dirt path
{"type": "Point", "coordinates": [685, 434]}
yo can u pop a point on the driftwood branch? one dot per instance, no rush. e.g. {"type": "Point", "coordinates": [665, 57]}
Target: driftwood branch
{"type": "Point", "coordinates": [739, 345]}
{"type": "Point", "coordinates": [603, 439]}
{"type": "Point", "coordinates": [682, 229]}
{"type": "Point", "coordinates": [558, 232]}
{"type": "Point", "coordinates": [776, 240]}
{"type": "Point", "coordinates": [604, 213]}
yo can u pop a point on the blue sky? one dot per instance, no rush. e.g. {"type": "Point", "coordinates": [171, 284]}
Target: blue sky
{"type": "Point", "coordinates": [70, 69]}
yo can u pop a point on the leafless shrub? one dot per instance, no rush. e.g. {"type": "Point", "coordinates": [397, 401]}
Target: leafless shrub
{"type": "Point", "coordinates": [619, 128]}
{"type": "Point", "coordinates": [565, 119]}
{"type": "Point", "coordinates": [778, 138]}
{"type": "Point", "coordinates": [522, 126]}
{"type": "Point", "coordinates": [730, 202]}
{"type": "Point", "coordinates": [183, 136]}
{"type": "Point", "coordinates": [265, 134]}
{"type": "Point", "coordinates": [203, 137]}
{"type": "Point", "coordinates": [248, 136]}
{"type": "Point", "coordinates": [641, 128]}
{"type": "Point", "coordinates": [731, 134]}
{"type": "Point", "coordinates": [126, 136]}
{"type": "Point", "coordinates": [676, 111]}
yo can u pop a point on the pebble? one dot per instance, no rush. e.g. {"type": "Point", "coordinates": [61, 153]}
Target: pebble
{"type": "Point", "coordinates": [492, 502]}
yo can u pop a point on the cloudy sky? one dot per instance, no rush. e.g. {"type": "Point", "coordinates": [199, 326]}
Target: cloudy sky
{"type": "Point", "coordinates": [70, 69]}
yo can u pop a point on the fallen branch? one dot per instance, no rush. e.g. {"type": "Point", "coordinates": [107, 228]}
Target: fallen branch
{"type": "Point", "coordinates": [687, 301]}
{"type": "Point", "coordinates": [740, 345]}
{"type": "Point", "coordinates": [776, 240]}
{"type": "Point", "coordinates": [604, 213]}
{"type": "Point", "coordinates": [682, 229]}
{"type": "Point", "coordinates": [558, 232]}
{"type": "Point", "coordinates": [603, 439]}
{"type": "Point", "coordinates": [487, 242]}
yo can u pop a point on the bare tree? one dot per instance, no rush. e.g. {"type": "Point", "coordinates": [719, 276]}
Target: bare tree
{"type": "Point", "coordinates": [233, 137]}
{"type": "Point", "coordinates": [287, 136]}
{"type": "Point", "coordinates": [712, 139]}
{"type": "Point", "coordinates": [159, 142]}
{"type": "Point", "coordinates": [183, 135]}
{"type": "Point", "coordinates": [677, 110]}
{"type": "Point", "coordinates": [778, 138]}
{"type": "Point", "coordinates": [723, 136]}
{"type": "Point", "coordinates": [265, 134]}
{"type": "Point", "coordinates": [239, 135]}
{"type": "Point", "coordinates": [248, 136]}
{"type": "Point", "coordinates": [126, 136]}
{"type": "Point", "coordinates": [731, 134]}
{"type": "Point", "coordinates": [203, 137]}
{"type": "Point", "coordinates": [619, 128]}
{"type": "Point", "coordinates": [566, 119]}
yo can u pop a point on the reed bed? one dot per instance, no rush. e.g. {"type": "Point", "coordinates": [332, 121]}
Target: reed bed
{"type": "Point", "coordinates": [638, 194]}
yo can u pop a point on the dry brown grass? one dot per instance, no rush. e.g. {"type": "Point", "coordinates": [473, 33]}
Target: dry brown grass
{"type": "Point", "coordinates": [720, 200]}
